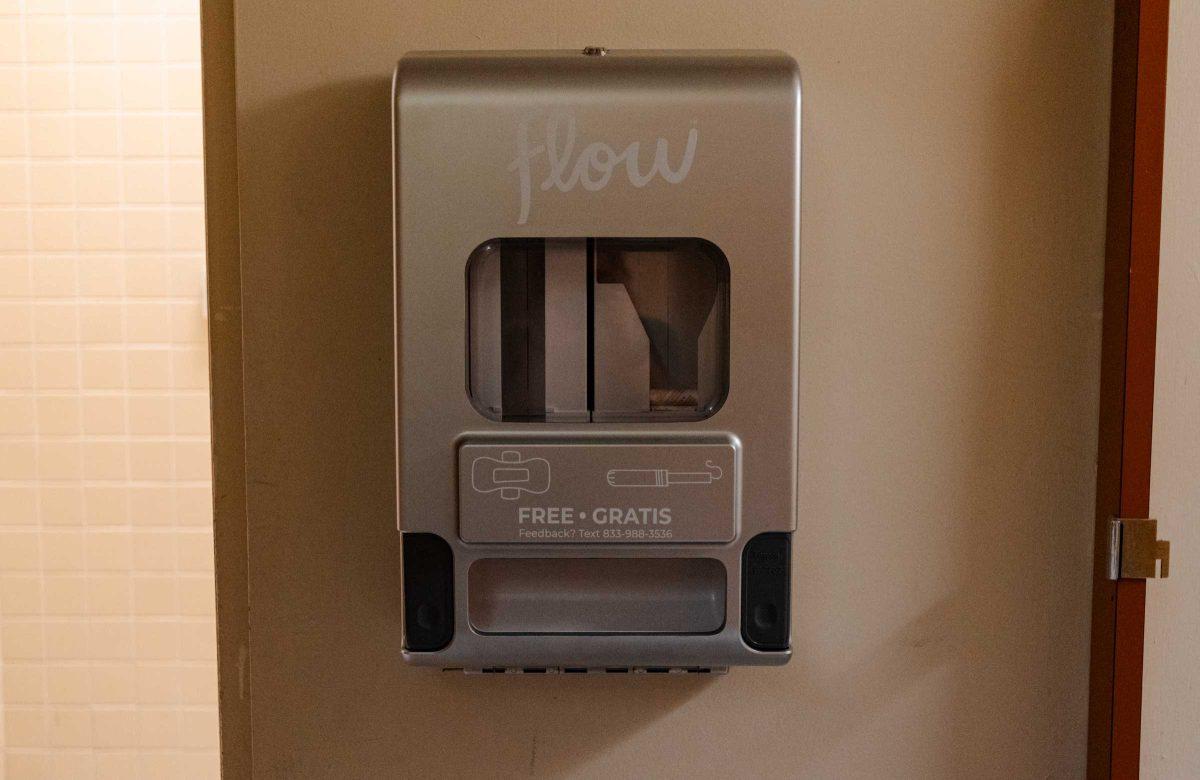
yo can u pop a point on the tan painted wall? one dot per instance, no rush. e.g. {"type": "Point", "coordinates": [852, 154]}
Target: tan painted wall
{"type": "Point", "coordinates": [1171, 699]}
{"type": "Point", "coordinates": [953, 221]}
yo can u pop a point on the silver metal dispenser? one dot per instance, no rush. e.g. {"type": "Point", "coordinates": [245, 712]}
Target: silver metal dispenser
{"type": "Point", "coordinates": [597, 293]}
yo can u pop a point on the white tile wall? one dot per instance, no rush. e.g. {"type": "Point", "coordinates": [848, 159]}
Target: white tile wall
{"type": "Point", "coordinates": [107, 640]}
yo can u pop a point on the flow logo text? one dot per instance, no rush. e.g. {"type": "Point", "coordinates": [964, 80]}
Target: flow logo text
{"type": "Point", "coordinates": [593, 166]}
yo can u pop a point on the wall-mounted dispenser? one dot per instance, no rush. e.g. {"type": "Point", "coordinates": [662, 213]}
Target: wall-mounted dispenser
{"type": "Point", "coordinates": [597, 292]}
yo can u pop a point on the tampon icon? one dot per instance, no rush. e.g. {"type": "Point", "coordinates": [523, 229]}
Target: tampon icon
{"type": "Point", "coordinates": [660, 478]}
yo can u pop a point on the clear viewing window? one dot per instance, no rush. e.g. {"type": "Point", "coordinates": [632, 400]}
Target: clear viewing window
{"type": "Point", "coordinates": [598, 329]}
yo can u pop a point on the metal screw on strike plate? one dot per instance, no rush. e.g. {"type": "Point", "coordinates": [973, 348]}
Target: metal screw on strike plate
{"type": "Point", "coordinates": [595, 51]}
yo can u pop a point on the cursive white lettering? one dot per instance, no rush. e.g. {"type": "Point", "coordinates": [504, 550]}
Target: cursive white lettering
{"type": "Point", "coordinates": [595, 164]}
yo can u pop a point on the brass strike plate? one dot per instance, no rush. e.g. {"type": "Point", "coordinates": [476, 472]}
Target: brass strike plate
{"type": "Point", "coordinates": [1135, 550]}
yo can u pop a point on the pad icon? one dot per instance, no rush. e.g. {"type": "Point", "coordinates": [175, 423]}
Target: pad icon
{"type": "Point", "coordinates": [510, 474]}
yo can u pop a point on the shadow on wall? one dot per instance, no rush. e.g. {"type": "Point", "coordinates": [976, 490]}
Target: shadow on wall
{"type": "Point", "coordinates": [1036, 391]}
{"type": "Point", "coordinates": [1055, 147]}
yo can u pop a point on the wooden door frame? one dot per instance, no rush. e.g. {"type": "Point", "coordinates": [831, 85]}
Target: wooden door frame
{"type": "Point", "coordinates": [1127, 376]}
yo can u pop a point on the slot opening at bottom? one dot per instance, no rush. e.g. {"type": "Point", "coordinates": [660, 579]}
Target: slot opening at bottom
{"type": "Point", "coordinates": [597, 595]}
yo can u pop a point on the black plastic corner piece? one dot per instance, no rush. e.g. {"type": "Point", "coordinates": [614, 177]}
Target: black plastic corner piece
{"type": "Point", "coordinates": [766, 591]}
{"type": "Point", "coordinates": [428, 592]}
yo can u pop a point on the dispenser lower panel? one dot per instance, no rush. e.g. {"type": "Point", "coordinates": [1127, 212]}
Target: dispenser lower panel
{"type": "Point", "coordinates": [598, 492]}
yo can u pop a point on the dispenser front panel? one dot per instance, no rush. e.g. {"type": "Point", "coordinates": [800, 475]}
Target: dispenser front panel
{"type": "Point", "coordinates": [597, 316]}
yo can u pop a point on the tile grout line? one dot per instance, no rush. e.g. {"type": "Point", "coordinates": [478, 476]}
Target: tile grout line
{"type": "Point", "coordinates": [73, 100]}
{"type": "Point", "coordinates": [35, 386]}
